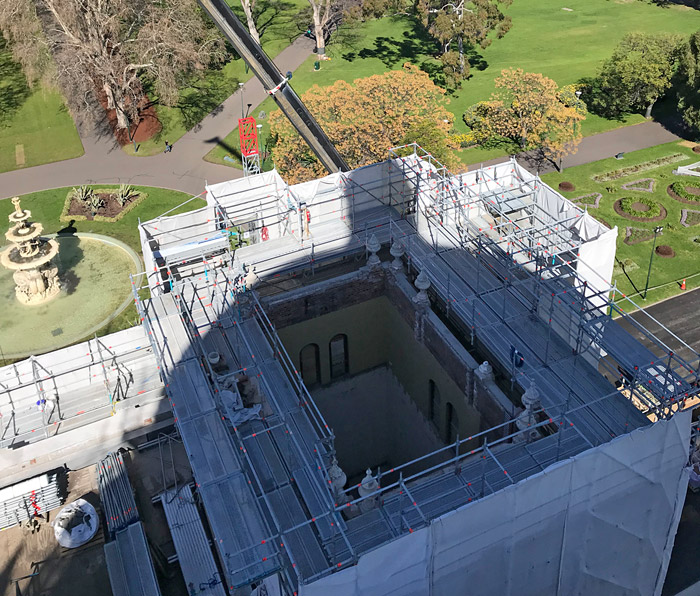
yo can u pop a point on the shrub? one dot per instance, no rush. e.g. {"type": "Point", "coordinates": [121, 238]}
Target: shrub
{"type": "Point", "coordinates": [566, 186]}
{"type": "Point", "coordinates": [83, 194]}
{"type": "Point", "coordinates": [664, 250]}
{"type": "Point", "coordinates": [696, 149]}
{"type": "Point", "coordinates": [611, 188]}
{"type": "Point", "coordinates": [680, 188]}
{"type": "Point", "coordinates": [125, 193]}
{"type": "Point", "coordinates": [95, 202]}
{"type": "Point", "coordinates": [627, 206]}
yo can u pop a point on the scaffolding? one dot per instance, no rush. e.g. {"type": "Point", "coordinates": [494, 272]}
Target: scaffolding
{"type": "Point", "coordinates": [506, 272]}
{"type": "Point", "coordinates": [49, 394]}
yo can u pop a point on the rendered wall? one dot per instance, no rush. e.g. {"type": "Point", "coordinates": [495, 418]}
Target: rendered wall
{"type": "Point", "coordinates": [600, 523]}
{"type": "Point", "coordinates": [377, 334]}
{"type": "Point", "coordinates": [375, 423]}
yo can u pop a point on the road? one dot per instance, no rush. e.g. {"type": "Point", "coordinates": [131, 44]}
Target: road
{"type": "Point", "coordinates": [679, 317]}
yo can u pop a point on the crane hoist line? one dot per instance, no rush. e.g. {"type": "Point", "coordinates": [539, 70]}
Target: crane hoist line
{"type": "Point", "coordinates": [275, 84]}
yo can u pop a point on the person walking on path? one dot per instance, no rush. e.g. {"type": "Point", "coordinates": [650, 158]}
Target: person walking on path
{"type": "Point", "coordinates": [168, 147]}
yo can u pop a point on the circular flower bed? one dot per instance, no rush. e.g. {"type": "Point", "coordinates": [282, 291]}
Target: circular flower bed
{"type": "Point", "coordinates": [687, 191]}
{"type": "Point", "coordinates": [664, 250]}
{"type": "Point", "coordinates": [566, 186]}
{"type": "Point", "coordinates": [640, 209]}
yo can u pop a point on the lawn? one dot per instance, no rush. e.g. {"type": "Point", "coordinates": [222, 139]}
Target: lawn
{"type": "Point", "coordinates": [46, 207]}
{"type": "Point", "coordinates": [35, 126]}
{"type": "Point", "coordinates": [279, 25]}
{"type": "Point", "coordinates": [633, 260]}
{"type": "Point", "coordinates": [563, 45]}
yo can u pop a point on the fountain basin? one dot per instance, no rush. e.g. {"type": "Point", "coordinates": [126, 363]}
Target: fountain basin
{"type": "Point", "coordinates": [95, 287]}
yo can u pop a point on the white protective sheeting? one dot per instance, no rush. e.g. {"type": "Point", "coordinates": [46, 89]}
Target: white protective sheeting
{"type": "Point", "coordinates": [248, 188]}
{"type": "Point", "coordinates": [595, 264]}
{"type": "Point", "coordinates": [600, 523]}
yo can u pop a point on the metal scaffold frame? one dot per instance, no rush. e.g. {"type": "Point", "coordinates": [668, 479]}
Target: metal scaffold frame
{"type": "Point", "coordinates": [512, 285]}
{"type": "Point", "coordinates": [52, 393]}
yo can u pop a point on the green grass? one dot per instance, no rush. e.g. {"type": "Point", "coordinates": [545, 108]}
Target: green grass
{"type": "Point", "coordinates": [633, 260]}
{"type": "Point", "coordinates": [565, 46]}
{"type": "Point", "coordinates": [46, 208]}
{"type": "Point", "coordinates": [279, 24]}
{"type": "Point", "coordinates": [35, 118]}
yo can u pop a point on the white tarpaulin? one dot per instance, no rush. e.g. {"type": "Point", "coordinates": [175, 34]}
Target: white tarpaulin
{"type": "Point", "coordinates": [600, 523]}
{"type": "Point", "coordinates": [595, 263]}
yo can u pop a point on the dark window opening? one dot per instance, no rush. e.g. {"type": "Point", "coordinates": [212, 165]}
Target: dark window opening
{"type": "Point", "coordinates": [339, 356]}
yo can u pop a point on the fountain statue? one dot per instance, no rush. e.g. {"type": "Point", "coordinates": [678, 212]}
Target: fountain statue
{"type": "Point", "coordinates": [29, 256]}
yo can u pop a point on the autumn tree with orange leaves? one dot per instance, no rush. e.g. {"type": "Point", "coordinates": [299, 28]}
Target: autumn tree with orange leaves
{"type": "Point", "coordinates": [366, 118]}
{"type": "Point", "coordinates": [530, 112]}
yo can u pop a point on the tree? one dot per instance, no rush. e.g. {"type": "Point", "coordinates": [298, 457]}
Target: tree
{"type": "Point", "coordinates": [688, 77]}
{"type": "Point", "coordinates": [638, 73]}
{"type": "Point", "coordinates": [366, 118]}
{"type": "Point", "coordinates": [249, 10]}
{"type": "Point", "coordinates": [531, 113]}
{"type": "Point", "coordinates": [323, 13]}
{"type": "Point", "coordinates": [113, 46]}
{"type": "Point", "coordinates": [466, 23]}
{"type": "Point", "coordinates": [21, 29]}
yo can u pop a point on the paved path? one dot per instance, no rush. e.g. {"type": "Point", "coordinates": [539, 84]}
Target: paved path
{"type": "Point", "coordinates": [678, 315]}
{"type": "Point", "coordinates": [183, 169]}
{"type": "Point", "coordinates": [600, 146]}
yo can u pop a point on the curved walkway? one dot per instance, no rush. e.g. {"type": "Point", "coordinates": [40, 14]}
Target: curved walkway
{"type": "Point", "coordinates": [183, 169]}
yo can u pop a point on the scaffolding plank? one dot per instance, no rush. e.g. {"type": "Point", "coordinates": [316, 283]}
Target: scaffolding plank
{"type": "Point", "coordinates": [191, 544]}
{"type": "Point", "coordinates": [129, 563]}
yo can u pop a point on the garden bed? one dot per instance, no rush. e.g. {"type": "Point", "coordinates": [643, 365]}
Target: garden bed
{"type": "Point", "coordinates": [684, 192]}
{"type": "Point", "coordinates": [641, 167]}
{"type": "Point", "coordinates": [590, 200]}
{"type": "Point", "coordinates": [637, 235]}
{"type": "Point", "coordinates": [665, 251]}
{"type": "Point", "coordinates": [111, 209]}
{"type": "Point", "coordinates": [638, 206]}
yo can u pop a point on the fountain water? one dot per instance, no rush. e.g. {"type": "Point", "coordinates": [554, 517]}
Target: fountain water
{"type": "Point", "coordinates": [29, 256]}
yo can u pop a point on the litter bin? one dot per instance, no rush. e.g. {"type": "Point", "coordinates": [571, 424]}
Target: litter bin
{"type": "Point", "coordinates": [317, 65]}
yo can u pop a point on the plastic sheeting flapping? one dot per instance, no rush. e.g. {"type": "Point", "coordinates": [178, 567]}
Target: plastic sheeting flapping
{"type": "Point", "coordinates": [600, 523]}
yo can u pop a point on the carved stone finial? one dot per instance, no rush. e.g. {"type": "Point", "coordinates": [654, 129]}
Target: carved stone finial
{"type": "Point", "coordinates": [485, 371]}
{"type": "Point", "coordinates": [368, 486]}
{"type": "Point", "coordinates": [18, 209]}
{"type": "Point", "coordinates": [422, 283]}
{"type": "Point", "coordinates": [373, 246]}
{"type": "Point", "coordinates": [531, 397]}
{"type": "Point", "coordinates": [397, 251]}
{"type": "Point", "coordinates": [337, 477]}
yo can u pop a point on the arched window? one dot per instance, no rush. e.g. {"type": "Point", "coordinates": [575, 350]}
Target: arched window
{"type": "Point", "coordinates": [452, 424]}
{"type": "Point", "coordinates": [434, 403]}
{"type": "Point", "coordinates": [339, 355]}
{"type": "Point", "coordinates": [310, 365]}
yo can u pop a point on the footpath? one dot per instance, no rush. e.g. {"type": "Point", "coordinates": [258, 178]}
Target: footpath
{"type": "Point", "coordinates": [185, 170]}
{"type": "Point", "coordinates": [182, 169]}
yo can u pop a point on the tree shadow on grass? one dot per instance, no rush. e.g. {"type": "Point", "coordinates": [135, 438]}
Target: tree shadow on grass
{"type": "Point", "coordinates": [204, 97]}
{"type": "Point", "coordinates": [274, 16]}
{"type": "Point", "coordinates": [14, 90]}
{"type": "Point", "coordinates": [392, 51]}
{"type": "Point", "coordinates": [475, 59]}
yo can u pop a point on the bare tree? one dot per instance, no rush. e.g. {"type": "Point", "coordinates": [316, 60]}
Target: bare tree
{"type": "Point", "coordinates": [112, 46]}
{"type": "Point", "coordinates": [21, 28]}
{"type": "Point", "coordinates": [249, 10]}
{"type": "Point", "coordinates": [323, 12]}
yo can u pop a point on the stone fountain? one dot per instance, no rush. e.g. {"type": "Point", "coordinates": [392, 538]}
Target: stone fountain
{"type": "Point", "coordinates": [29, 256]}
